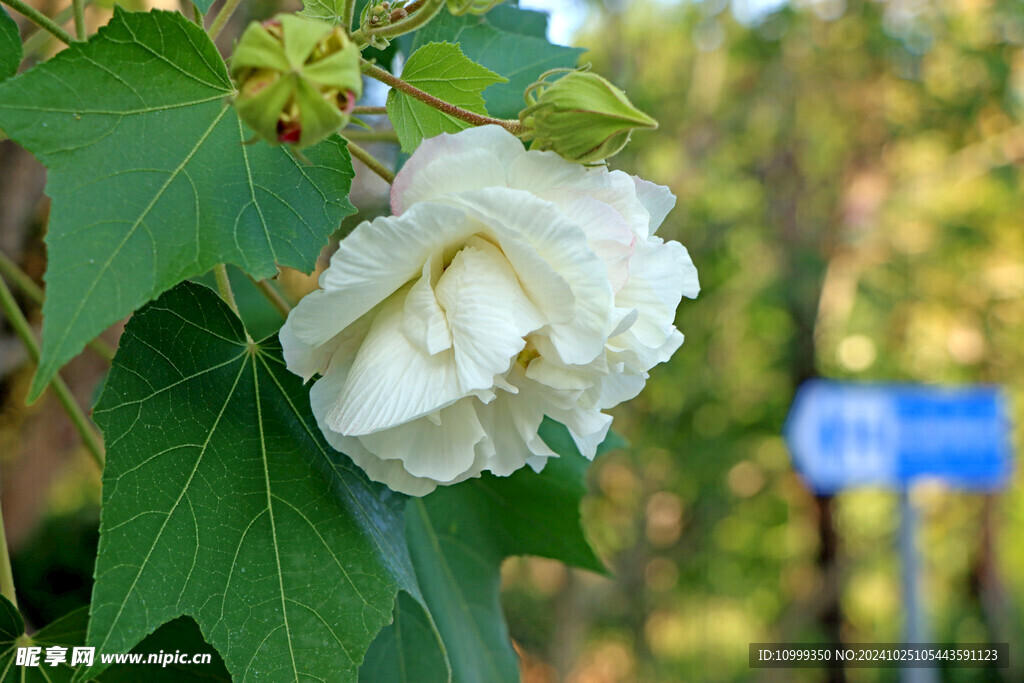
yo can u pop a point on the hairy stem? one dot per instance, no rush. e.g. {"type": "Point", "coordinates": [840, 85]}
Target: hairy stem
{"type": "Point", "coordinates": [90, 438]}
{"type": "Point", "coordinates": [386, 135]}
{"type": "Point", "coordinates": [419, 13]}
{"type": "Point", "coordinates": [348, 12]}
{"type": "Point", "coordinates": [39, 39]}
{"type": "Point", "coordinates": [374, 71]}
{"type": "Point", "coordinates": [221, 20]}
{"type": "Point", "coordinates": [271, 294]}
{"type": "Point", "coordinates": [39, 19]}
{"type": "Point", "coordinates": [370, 111]}
{"type": "Point", "coordinates": [220, 271]}
{"type": "Point", "coordinates": [6, 576]}
{"type": "Point", "coordinates": [78, 6]}
{"type": "Point", "coordinates": [371, 162]}
{"type": "Point", "coordinates": [16, 275]}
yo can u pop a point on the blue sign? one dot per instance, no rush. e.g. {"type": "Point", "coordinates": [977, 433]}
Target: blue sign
{"type": "Point", "coordinates": [845, 434]}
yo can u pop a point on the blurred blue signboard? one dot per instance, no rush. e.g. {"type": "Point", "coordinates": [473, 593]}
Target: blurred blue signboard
{"type": "Point", "coordinates": [845, 434]}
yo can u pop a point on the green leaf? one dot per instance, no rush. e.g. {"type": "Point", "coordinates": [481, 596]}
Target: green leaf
{"type": "Point", "coordinates": [519, 56]}
{"type": "Point", "coordinates": [408, 650]}
{"type": "Point", "coordinates": [181, 635]}
{"type": "Point", "coordinates": [459, 535]}
{"type": "Point", "coordinates": [10, 46]}
{"type": "Point", "coordinates": [67, 632]}
{"type": "Point", "coordinates": [222, 501]}
{"type": "Point", "coordinates": [525, 22]}
{"type": "Point", "coordinates": [441, 70]}
{"type": "Point", "coordinates": [150, 180]}
{"type": "Point", "coordinates": [326, 10]}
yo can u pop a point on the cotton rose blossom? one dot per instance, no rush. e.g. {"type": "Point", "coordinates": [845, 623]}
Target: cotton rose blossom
{"type": "Point", "coordinates": [508, 285]}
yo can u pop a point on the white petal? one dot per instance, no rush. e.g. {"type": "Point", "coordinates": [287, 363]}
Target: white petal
{"type": "Point", "coordinates": [607, 235]}
{"type": "Point", "coordinates": [372, 262]}
{"type": "Point", "coordinates": [390, 472]}
{"type": "Point", "coordinates": [525, 229]}
{"type": "Point", "coordinates": [392, 381]}
{"type": "Point", "coordinates": [543, 173]}
{"type": "Point", "coordinates": [660, 274]}
{"type": "Point", "coordinates": [619, 387]}
{"type": "Point", "coordinates": [424, 321]}
{"type": "Point", "coordinates": [553, 374]}
{"type": "Point", "coordinates": [512, 422]}
{"type": "Point", "coordinates": [441, 452]}
{"type": "Point", "coordinates": [538, 462]}
{"type": "Point", "coordinates": [549, 177]}
{"type": "Point", "coordinates": [488, 313]}
{"type": "Point", "coordinates": [588, 428]}
{"type": "Point", "coordinates": [657, 199]}
{"type": "Point", "coordinates": [626, 317]}
{"type": "Point", "coordinates": [470, 160]}
{"type": "Point", "coordinates": [307, 360]}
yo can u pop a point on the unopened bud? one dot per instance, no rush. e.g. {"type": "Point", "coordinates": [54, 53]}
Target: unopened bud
{"type": "Point", "coordinates": [460, 7]}
{"type": "Point", "coordinates": [298, 79]}
{"type": "Point", "coordinates": [581, 116]}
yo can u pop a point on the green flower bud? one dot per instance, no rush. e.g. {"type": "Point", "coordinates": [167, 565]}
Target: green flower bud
{"type": "Point", "coordinates": [460, 7]}
{"type": "Point", "coordinates": [581, 116]}
{"type": "Point", "coordinates": [298, 79]}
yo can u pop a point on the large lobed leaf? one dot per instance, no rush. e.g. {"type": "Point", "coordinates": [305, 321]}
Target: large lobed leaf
{"type": "Point", "coordinates": [508, 45]}
{"type": "Point", "coordinates": [151, 180]}
{"type": "Point", "coordinates": [222, 501]}
{"type": "Point", "coordinates": [441, 70]}
{"type": "Point", "coordinates": [458, 537]}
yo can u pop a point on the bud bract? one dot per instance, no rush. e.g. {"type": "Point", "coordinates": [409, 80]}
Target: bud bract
{"type": "Point", "coordinates": [581, 116]}
{"type": "Point", "coordinates": [298, 79]}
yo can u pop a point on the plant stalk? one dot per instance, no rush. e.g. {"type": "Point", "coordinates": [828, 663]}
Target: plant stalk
{"type": "Point", "coordinates": [78, 6]}
{"type": "Point", "coordinates": [371, 162]}
{"type": "Point", "coordinates": [6, 576]}
{"type": "Point", "coordinates": [273, 296]}
{"type": "Point", "coordinates": [386, 135]}
{"type": "Point", "coordinates": [221, 20]}
{"type": "Point", "coordinates": [39, 19]}
{"type": "Point", "coordinates": [220, 271]}
{"type": "Point", "coordinates": [374, 71]}
{"type": "Point", "coordinates": [41, 38]}
{"type": "Point", "coordinates": [348, 12]}
{"type": "Point", "coordinates": [90, 438]}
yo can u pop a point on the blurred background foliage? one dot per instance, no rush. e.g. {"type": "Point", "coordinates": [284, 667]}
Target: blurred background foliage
{"type": "Point", "coordinates": [850, 188]}
{"type": "Point", "coordinates": [849, 175]}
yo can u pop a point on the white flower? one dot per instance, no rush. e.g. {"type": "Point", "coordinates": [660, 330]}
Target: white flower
{"type": "Point", "coordinates": [508, 285]}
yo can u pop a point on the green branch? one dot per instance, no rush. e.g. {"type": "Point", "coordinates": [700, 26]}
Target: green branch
{"type": "Point", "coordinates": [90, 438]}
{"type": "Point", "coordinates": [39, 19]}
{"type": "Point", "coordinates": [221, 20]}
{"type": "Point", "coordinates": [78, 6]}
{"type": "Point", "coordinates": [371, 162]}
{"type": "Point", "coordinates": [220, 271]}
{"type": "Point", "coordinates": [419, 13]}
{"type": "Point", "coordinates": [374, 71]}
{"type": "Point", "coordinates": [273, 296]}
{"type": "Point", "coordinates": [6, 576]}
